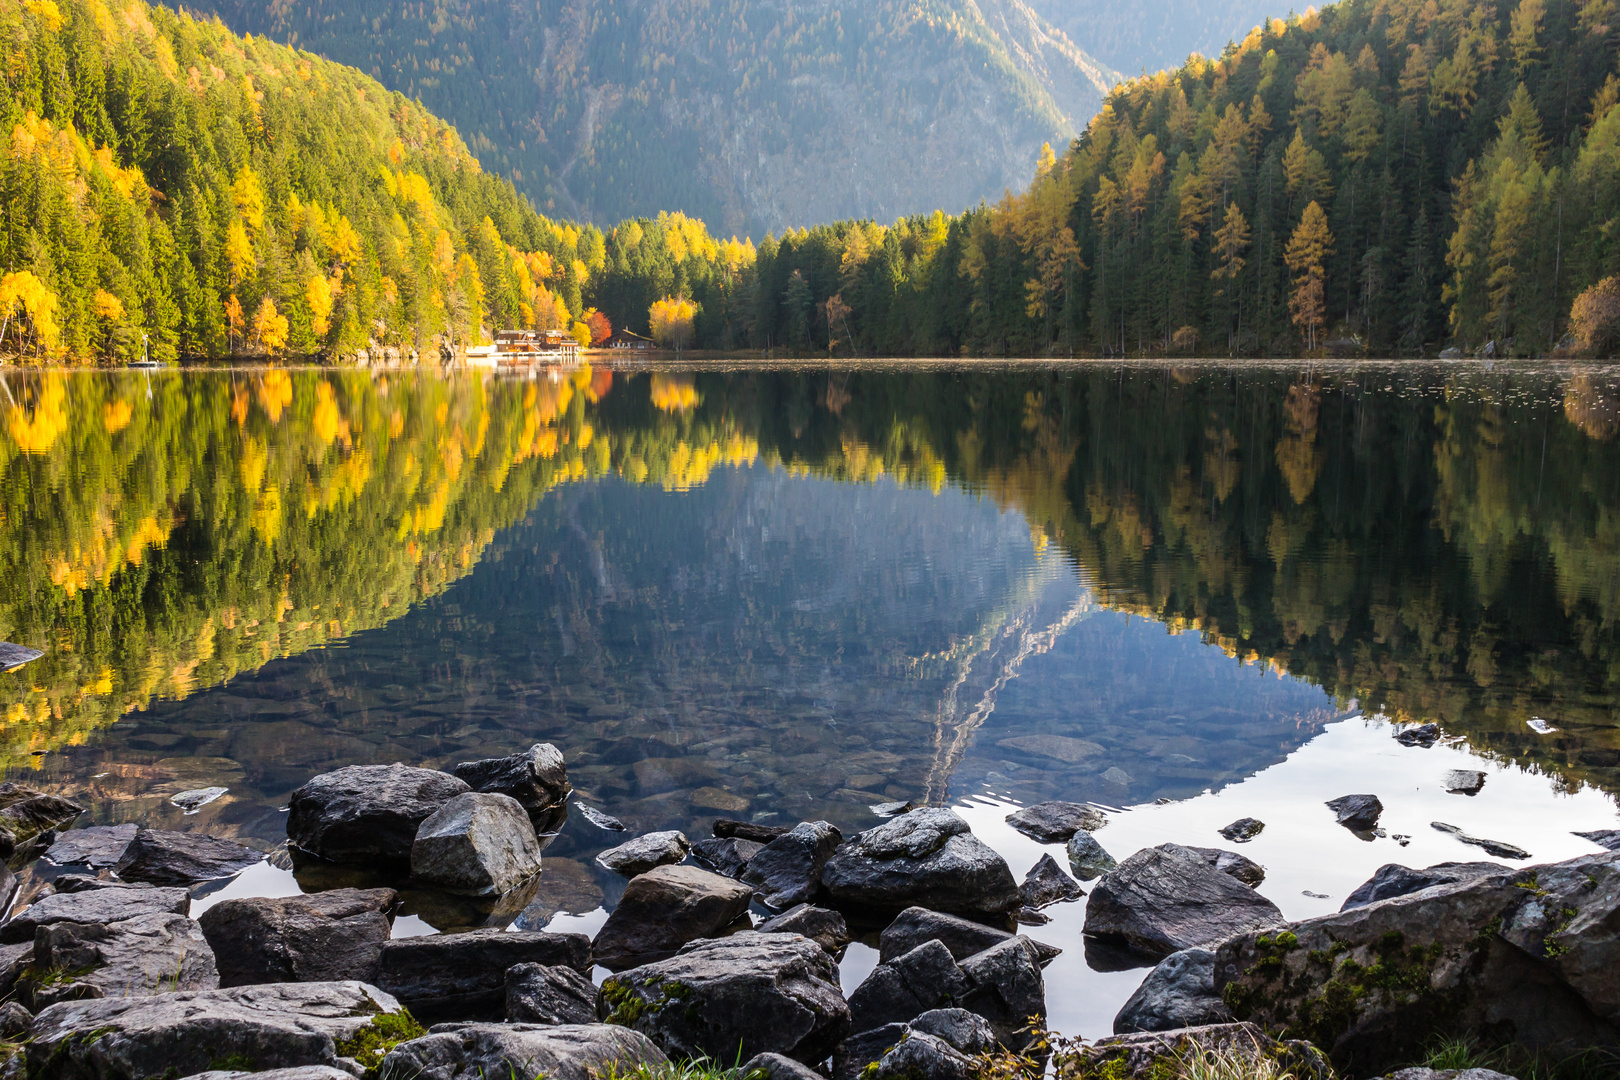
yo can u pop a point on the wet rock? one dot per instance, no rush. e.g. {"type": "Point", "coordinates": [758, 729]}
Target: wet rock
{"type": "Point", "coordinates": [965, 1031]}
{"type": "Point", "coordinates": [99, 847]}
{"type": "Point", "coordinates": [1393, 879]}
{"type": "Point", "coordinates": [536, 778]}
{"type": "Point", "coordinates": [728, 856]}
{"type": "Point", "coordinates": [14, 1020]}
{"type": "Point", "coordinates": [477, 843]}
{"type": "Point", "coordinates": [151, 954]}
{"type": "Point", "coordinates": [485, 1051]}
{"type": "Point", "coordinates": [724, 828]}
{"type": "Point", "coordinates": [664, 909]}
{"type": "Point", "coordinates": [1119, 776]}
{"type": "Point", "coordinates": [1008, 989]}
{"type": "Point", "coordinates": [549, 994]}
{"type": "Point", "coordinates": [1241, 867]}
{"type": "Point", "coordinates": [826, 928]}
{"type": "Point", "coordinates": [281, 1025]}
{"type": "Point", "coordinates": [1490, 847]}
{"type": "Point", "coordinates": [892, 809]}
{"type": "Point", "coordinates": [645, 852]}
{"type": "Point", "coordinates": [963, 937]}
{"type": "Point", "coordinates": [1178, 993]}
{"type": "Point", "coordinates": [301, 1072]}
{"type": "Point", "coordinates": [735, 997]}
{"type": "Point", "coordinates": [925, 978]}
{"type": "Point", "coordinates": [449, 977]}
{"type": "Point", "coordinates": [1424, 735]}
{"type": "Point", "coordinates": [162, 857]}
{"type": "Point", "coordinates": [95, 906]}
{"type": "Point", "coordinates": [1243, 830]}
{"type": "Point", "coordinates": [1055, 822]}
{"type": "Point", "coordinates": [926, 858]}
{"type": "Point", "coordinates": [1046, 883]}
{"type": "Point", "coordinates": [1028, 916]}
{"type": "Point", "coordinates": [1140, 1055]}
{"type": "Point", "coordinates": [320, 937]}
{"type": "Point", "coordinates": [599, 819]}
{"type": "Point", "coordinates": [1057, 747]}
{"type": "Point", "coordinates": [1603, 838]}
{"type": "Point", "coordinates": [1464, 782]}
{"type": "Point", "coordinates": [26, 812]}
{"type": "Point", "coordinates": [194, 800]}
{"type": "Point", "coordinates": [787, 871]}
{"type": "Point", "coordinates": [1087, 858]}
{"type": "Point", "coordinates": [366, 814]}
{"type": "Point", "coordinates": [1358, 813]}
{"type": "Point", "coordinates": [778, 1067]}
{"type": "Point", "coordinates": [1165, 899]}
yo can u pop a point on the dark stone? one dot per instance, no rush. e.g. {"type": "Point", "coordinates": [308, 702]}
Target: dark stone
{"type": "Point", "coordinates": [962, 937]}
{"type": "Point", "coordinates": [149, 954]}
{"type": "Point", "coordinates": [542, 994]}
{"type": "Point", "coordinates": [1241, 867]}
{"type": "Point", "coordinates": [1055, 822]}
{"type": "Point", "coordinates": [920, 1056]}
{"type": "Point", "coordinates": [161, 857]}
{"type": "Point", "coordinates": [727, 856]}
{"type": "Point", "coordinates": [26, 812]}
{"type": "Point", "coordinates": [1008, 990]}
{"type": "Point", "coordinates": [1046, 883]}
{"type": "Point", "coordinates": [1179, 993]}
{"type": "Point", "coordinates": [14, 656]}
{"type": "Point", "coordinates": [96, 906]}
{"type": "Point", "coordinates": [926, 858]}
{"type": "Point", "coordinates": [72, 883]}
{"type": "Point", "coordinates": [300, 1072]}
{"type": "Point", "coordinates": [664, 909]}
{"type": "Point", "coordinates": [319, 937]}
{"type": "Point", "coordinates": [1243, 830]}
{"type": "Point", "coordinates": [599, 819]}
{"type": "Point", "coordinates": [536, 778]}
{"type": "Point", "coordinates": [1393, 879]}
{"type": "Point", "coordinates": [778, 1067]}
{"type": "Point", "coordinates": [822, 926]}
{"type": "Point", "coordinates": [1490, 847]}
{"type": "Point", "coordinates": [449, 977]}
{"type": "Point", "coordinates": [1358, 813]}
{"type": "Point", "coordinates": [924, 978]}
{"type": "Point", "coordinates": [865, 1049]}
{"type": "Point", "coordinates": [1603, 838]}
{"type": "Point", "coordinates": [366, 814]}
{"type": "Point", "coordinates": [725, 828]}
{"type": "Point", "coordinates": [645, 852]}
{"type": "Point", "coordinates": [100, 847]}
{"type": "Point", "coordinates": [1424, 735]}
{"type": "Point", "coordinates": [14, 1020]}
{"type": "Point", "coordinates": [1141, 1055]}
{"type": "Point", "coordinates": [1165, 899]}
{"type": "Point", "coordinates": [938, 1045]}
{"type": "Point", "coordinates": [500, 1051]}
{"type": "Point", "coordinates": [962, 1030]}
{"type": "Point", "coordinates": [477, 843]}
{"type": "Point", "coordinates": [1087, 858]}
{"type": "Point", "coordinates": [787, 871]}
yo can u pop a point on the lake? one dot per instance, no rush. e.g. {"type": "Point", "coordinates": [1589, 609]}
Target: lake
{"type": "Point", "coordinates": [1188, 593]}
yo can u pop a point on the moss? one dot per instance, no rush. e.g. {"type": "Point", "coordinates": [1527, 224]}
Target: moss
{"type": "Point", "coordinates": [1555, 949]}
{"type": "Point", "coordinates": [373, 1040]}
{"type": "Point", "coordinates": [234, 1063]}
{"type": "Point", "coordinates": [624, 1004]}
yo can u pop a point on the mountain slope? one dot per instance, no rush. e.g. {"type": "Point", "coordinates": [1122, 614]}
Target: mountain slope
{"type": "Point", "coordinates": [1150, 37]}
{"type": "Point", "coordinates": [752, 116]}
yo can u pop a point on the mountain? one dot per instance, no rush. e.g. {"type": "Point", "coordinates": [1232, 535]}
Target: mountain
{"type": "Point", "coordinates": [1150, 37]}
{"type": "Point", "coordinates": [752, 116]}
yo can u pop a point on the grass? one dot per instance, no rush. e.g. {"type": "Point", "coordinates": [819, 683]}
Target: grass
{"type": "Point", "coordinates": [1229, 1064]}
{"type": "Point", "coordinates": [700, 1068]}
{"type": "Point", "coordinates": [1468, 1053]}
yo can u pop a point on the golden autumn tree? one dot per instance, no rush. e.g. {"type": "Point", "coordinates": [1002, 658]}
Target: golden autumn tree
{"type": "Point", "coordinates": [671, 321]}
{"type": "Point", "coordinates": [235, 321]}
{"type": "Point", "coordinates": [270, 326]}
{"type": "Point", "coordinates": [1306, 257]}
{"type": "Point", "coordinates": [1594, 318]}
{"type": "Point", "coordinates": [25, 300]}
{"type": "Point", "coordinates": [320, 296]}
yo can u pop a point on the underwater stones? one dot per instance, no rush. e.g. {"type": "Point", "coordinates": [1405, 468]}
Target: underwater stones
{"type": "Point", "coordinates": [99, 847]}
{"type": "Point", "coordinates": [1140, 1055]}
{"type": "Point", "coordinates": [1491, 847]}
{"type": "Point", "coordinates": [148, 954]}
{"type": "Point", "coordinates": [1055, 822]}
{"type": "Point", "coordinates": [896, 990]}
{"type": "Point", "coordinates": [1046, 884]}
{"type": "Point", "coordinates": [664, 909]}
{"type": "Point", "coordinates": [1057, 747]}
{"type": "Point", "coordinates": [1179, 992]}
{"type": "Point", "coordinates": [1358, 813]}
{"type": "Point", "coordinates": [645, 852]}
{"type": "Point", "coordinates": [1243, 830]}
{"type": "Point", "coordinates": [1165, 899]}
{"type": "Point", "coordinates": [197, 798]}
{"type": "Point", "coordinates": [446, 977]}
{"type": "Point", "coordinates": [367, 814]}
{"type": "Point", "coordinates": [787, 871]}
{"type": "Point", "coordinates": [549, 994]}
{"type": "Point", "coordinates": [319, 937]}
{"type": "Point", "coordinates": [1393, 879]}
{"type": "Point", "coordinates": [1087, 858]}
{"type": "Point", "coordinates": [483, 1051]}
{"type": "Point", "coordinates": [1423, 735]}
{"type": "Point", "coordinates": [926, 858]}
{"type": "Point", "coordinates": [735, 997]}
{"type": "Point", "coordinates": [162, 857]}
{"type": "Point", "coordinates": [476, 843]}
{"type": "Point", "coordinates": [536, 778]}
{"type": "Point", "coordinates": [1464, 782]}
{"type": "Point", "coordinates": [728, 856]}
{"type": "Point", "coordinates": [821, 925]}
{"type": "Point", "coordinates": [599, 819]}
{"type": "Point", "coordinates": [1241, 867]}
{"type": "Point", "coordinates": [94, 906]}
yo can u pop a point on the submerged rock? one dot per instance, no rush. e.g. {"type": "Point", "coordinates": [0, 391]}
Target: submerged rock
{"type": "Point", "coordinates": [1393, 879]}
{"type": "Point", "coordinates": [447, 977]}
{"type": "Point", "coordinates": [821, 925]}
{"type": "Point", "coordinates": [1243, 830]}
{"type": "Point", "coordinates": [194, 800]}
{"type": "Point", "coordinates": [728, 856]}
{"type": "Point", "coordinates": [1424, 735]}
{"type": "Point", "coordinates": [599, 819]}
{"type": "Point", "coordinates": [1047, 884]}
{"type": "Point", "coordinates": [787, 871]}
{"type": "Point", "coordinates": [1087, 858]}
{"type": "Point", "coordinates": [645, 852]}
{"type": "Point", "coordinates": [536, 778]}
{"type": "Point", "coordinates": [321, 937]}
{"type": "Point", "coordinates": [476, 843]}
{"type": "Point", "coordinates": [928, 858]}
{"type": "Point", "coordinates": [162, 857]}
{"type": "Point", "coordinates": [1178, 993]}
{"type": "Point", "coordinates": [1358, 813]}
{"type": "Point", "coordinates": [366, 814]}
{"type": "Point", "coordinates": [1490, 847]}
{"type": "Point", "coordinates": [1464, 782]}
{"type": "Point", "coordinates": [664, 909]}
{"type": "Point", "coordinates": [1165, 899]}
{"type": "Point", "coordinates": [1055, 822]}
{"type": "Point", "coordinates": [499, 1051]}
{"type": "Point", "coordinates": [550, 994]}
{"type": "Point", "coordinates": [149, 954]}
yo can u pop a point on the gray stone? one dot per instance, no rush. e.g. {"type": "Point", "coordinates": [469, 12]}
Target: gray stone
{"type": "Point", "coordinates": [1358, 813]}
{"type": "Point", "coordinates": [1424, 735]}
{"type": "Point", "coordinates": [282, 1025]}
{"type": "Point", "coordinates": [1165, 899]}
{"type": "Point", "coordinates": [646, 852]}
{"type": "Point", "coordinates": [26, 812]}
{"type": "Point", "coordinates": [1055, 822]}
{"type": "Point", "coordinates": [1047, 884]}
{"type": "Point", "coordinates": [550, 994]}
{"type": "Point", "coordinates": [100, 847]}
{"type": "Point", "coordinates": [726, 829]}
{"type": "Point", "coordinates": [1603, 838]}
{"type": "Point", "coordinates": [1140, 1055]}
{"type": "Point", "coordinates": [301, 1072]}
{"type": "Point", "coordinates": [1419, 1073]}
{"type": "Point", "coordinates": [197, 798]}
{"type": "Point", "coordinates": [1179, 993]}
{"type": "Point", "coordinates": [728, 856]}
{"type": "Point", "coordinates": [320, 937]}
{"type": "Point", "coordinates": [920, 1056]}
{"type": "Point", "coordinates": [96, 906]}
{"type": "Point", "coordinates": [14, 1020]}
{"type": "Point", "coordinates": [777, 1067]}
{"type": "Point", "coordinates": [1393, 879]}
{"type": "Point", "coordinates": [1087, 858]}
{"type": "Point", "coordinates": [149, 954]}
{"type": "Point", "coordinates": [599, 819]}
{"type": "Point", "coordinates": [162, 857]}
{"type": "Point", "coordinates": [925, 858]}
{"type": "Point", "coordinates": [536, 778]}
{"type": "Point", "coordinates": [14, 656]}
{"type": "Point", "coordinates": [938, 1045]}
{"type": "Point", "coordinates": [499, 1051]}
{"type": "Point", "coordinates": [1490, 847]}
{"type": "Point", "coordinates": [450, 977]}
{"type": "Point", "coordinates": [1465, 782]}
{"type": "Point", "coordinates": [14, 960]}
{"type": "Point", "coordinates": [962, 1030]}
{"type": "Point", "coordinates": [735, 997]}
{"type": "Point", "coordinates": [962, 937]}
{"type": "Point", "coordinates": [476, 843]}
{"type": "Point", "coordinates": [366, 814]}
{"type": "Point", "coordinates": [822, 926]}
{"type": "Point", "coordinates": [907, 986]}
{"type": "Point", "coordinates": [664, 909]}
{"type": "Point", "coordinates": [1243, 830]}
{"type": "Point", "coordinates": [865, 1050]}
{"type": "Point", "coordinates": [1241, 867]}
{"type": "Point", "coordinates": [787, 871]}
{"type": "Point", "coordinates": [1008, 990]}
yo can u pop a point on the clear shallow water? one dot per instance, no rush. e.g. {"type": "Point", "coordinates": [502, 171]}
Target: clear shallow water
{"type": "Point", "coordinates": [784, 595]}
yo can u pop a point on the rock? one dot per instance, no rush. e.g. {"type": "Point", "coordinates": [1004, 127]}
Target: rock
{"type": "Point", "coordinates": [645, 852]}
{"type": "Point", "coordinates": [366, 814]}
{"type": "Point", "coordinates": [72, 883]}
{"type": "Point", "coordinates": [451, 977]}
{"type": "Point", "coordinates": [550, 994]}
{"type": "Point", "coordinates": [728, 856]}
{"type": "Point", "coordinates": [1117, 775]}
{"type": "Point", "coordinates": [301, 1072]}
{"type": "Point", "coordinates": [1243, 830]}
{"type": "Point", "coordinates": [1057, 747]}
{"type": "Point", "coordinates": [319, 937]}
{"type": "Point", "coordinates": [1008, 990]}
{"type": "Point", "coordinates": [926, 858]}
{"type": "Point", "coordinates": [14, 960]}
{"type": "Point", "coordinates": [1087, 858]}
{"type": "Point", "coordinates": [26, 812]}
{"type": "Point", "coordinates": [536, 778]}
{"type": "Point", "coordinates": [149, 954]}
{"type": "Point", "coordinates": [1446, 1074]}
{"type": "Point", "coordinates": [937, 1044]}
{"type": "Point", "coordinates": [664, 909]}
{"type": "Point", "coordinates": [281, 1025]}
{"type": "Point", "coordinates": [1358, 813]}
{"type": "Point", "coordinates": [599, 819]}
{"type": "Point", "coordinates": [892, 809]}
{"type": "Point", "coordinates": [962, 1030]}
{"type": "Point", "coordinates": [1046, 883]}
{"type": "Point", "coordinates": [476, 843]}
{"type": "Point", "coordinates": [1464, 782]}
{"type": "Point", "coordinates": [778, 1067]}
{"type": "Point", "coordinates": [865, 1049]}
{"type": "Point", "coordinates": [14, 1020]}
{"type": "Point", "coordinates": [1179, 993]}
{"type": "Point", "coordinates": [14, 656]}
{"type": "Point", "coordinates": [725, 828]}
{"type": "Point", "coordinates": [925, 978]}
{"type": "Point", "coordinates": [735, 997]}
{"type": "Point", "coordinates": [161, 857]}
{"type": "Point", "coordinates": [1424, 735]}
{"type": "Point", "coordinates": [787, 871]}
{"type": "Point", "coordinates": [99, 847]}
{"type": "Point", "coordinates": [822, 926]}
{"type": "Point", "coordinates": [194, 800]}
{"type": "Point", "coordinates": [1165, 899]}
{"type": "Point", "coordinates": [96, 906]}
{"type": "Point", "coordinates": [1241, 867]}
{"type": "Point", "coordinates": [920, 1055]}
{"type": "Point", "coordinates": [1392, 879]}
{"type": "Point", "coordinates": [499, 1051]}
{"type": "Point", "coordinates": [1490, 847]}
{"type": "Point", "coordinates": [1603, 838]}
{"type": "Point", "coordinates": [1149, 1055]}
{"type": "Point", "coordinates": [914, 926]}
{"type": "Point", "coordinates": [1055, 822]}
{"type": "Point", "coordinates": [1028, 916]}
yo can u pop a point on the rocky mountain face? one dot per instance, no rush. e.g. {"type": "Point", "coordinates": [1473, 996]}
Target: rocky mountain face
{"type": "Point", "coordinates": [753, 116]}
{"type": "Point", "coordinates": [1150, 37]}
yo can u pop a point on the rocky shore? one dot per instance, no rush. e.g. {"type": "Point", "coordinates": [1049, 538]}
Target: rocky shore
{"type": "Point", "coordinates": [727, 948]}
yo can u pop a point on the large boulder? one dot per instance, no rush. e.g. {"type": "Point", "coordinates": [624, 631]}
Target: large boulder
{"type": "Point", "coordinates": [100, 847]}
{"type": "Point", "coordinates": [926, 858]}
{"type": "Point", "coordinates": [1179, 993]}
{"type": "Point", "coordinates": [450, 977]}
{"type": "Point", "coordinates": [321, 937]}
{"type": "Point", "coordinates": [1055, 822]}
{"type": "Point", "coordinates": [366, 814]}
{"type": "Point", "coordinates": [787, 871]}
{"type": "Point", "coordinates": [1165, 899]}
{"type": "Point", "coordinates": [476, 843]}
{"type": "Point", "coordinates": [942, 1044]}
{"type": "Point", "coordinates": [664, 909]}
{"type": "Point", "coordinates": [550, 994]}
{"type": "Point", "coordinates": [1047, 884]}
{"type": "Point", "coordinates": [1008, 990]}
{"type": "Point", "coordinates": [1530, 957]}
{"type": "Point", "coordinates": [94, 906]}
{"type": "Point", "coordinates": [1152, 1055]}
{"type": "Point", "coordinates": [728, 855]}
{"type": "Point", "coordinates": [498, 1051]}
{"type": "Point", "coordinates": [264, 1027]}
{"type": "Point", "coordinates": [907, 986]}
{"type": "Point", "coordinates": [162, 857]}
{"type": "Point", "coordinates": [149, 954]}
{"type": "Point", "coordinates": [1241, 867]}
{"type": "Point", "coordinates": [778, 1067]}
{"type": "Point", "coordinates": [645, 852]}
{"type": "Point", "coordinates": [823, 926]}
{"type": "Point", "coordinates": [1393, 879]}
{"type": "Point", "coordinates": [26, 812]}
{"type": "Point", "coordinates": [536, 778]}
{"type": "Point", "coordinates": [735, 997]}
{"type": "Point", "coordinates": [962, 937]}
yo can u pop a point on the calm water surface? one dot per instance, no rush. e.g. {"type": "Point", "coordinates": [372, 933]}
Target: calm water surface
{"type": "Point", "coordinates": [1192, 593]}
